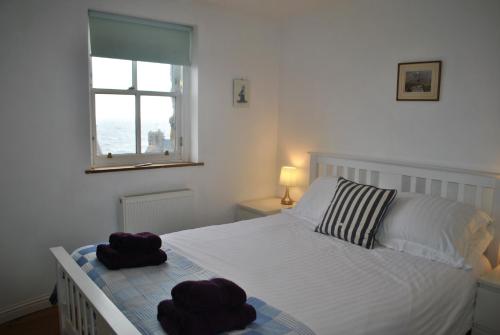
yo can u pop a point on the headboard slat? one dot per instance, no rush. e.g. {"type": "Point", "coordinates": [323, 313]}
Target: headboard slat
{"type": "Point", "coordinates": [413, 184]}
{"type": "Point", "coordinates": [428, 187]}
{"type": "Point", "coordinates": [460, 195]}
{"type": "Point", "coordinates": [356, 175]}
{"type": "Point", "coordinates": [368, 177]}
{"type": "Point", "coordinates": [479, 197]}
{"type": "Point", "coordinates": [444, 188]}
{"type": "Point", "coordinates": [329, 169]}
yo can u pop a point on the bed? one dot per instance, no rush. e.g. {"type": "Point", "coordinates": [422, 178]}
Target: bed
{"type": "Point", "coordinates": [331, 286]}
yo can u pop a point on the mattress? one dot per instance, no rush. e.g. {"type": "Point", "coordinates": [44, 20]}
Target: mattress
{"type": "Point", "coordinates": [137, 292]}
{"type": "Point", "coordinates": [332, 286]}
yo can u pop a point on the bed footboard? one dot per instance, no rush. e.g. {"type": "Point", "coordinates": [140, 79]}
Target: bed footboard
{"type": "Point", "coordinates": [83, 308]}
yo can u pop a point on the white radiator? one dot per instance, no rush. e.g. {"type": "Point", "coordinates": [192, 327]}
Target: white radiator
{"type": "Point", "coordinates": [159, 213]}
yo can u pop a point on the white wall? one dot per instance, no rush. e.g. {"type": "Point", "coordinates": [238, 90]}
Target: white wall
{"type": "Point", "coordinates": [336, 77]}
{"type": "Point", "coordinates": [338, 82]}
{"type": "Point", "coordinates": [47, 200]}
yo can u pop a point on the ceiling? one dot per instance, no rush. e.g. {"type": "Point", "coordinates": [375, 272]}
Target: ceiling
{"type": "Point", "coordinates": [271, 8]}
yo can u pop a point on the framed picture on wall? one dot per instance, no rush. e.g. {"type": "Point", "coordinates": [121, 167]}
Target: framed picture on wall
{"type": "Point", "coordinates": [241, 92]}
{"type": "Point", "coordinates": [419, 81]}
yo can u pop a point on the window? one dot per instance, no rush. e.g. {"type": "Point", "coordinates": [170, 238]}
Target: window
{"type": "Point", "coordinates": [136, 108]}
{"type": "Point", "coordinates": [138, 89]}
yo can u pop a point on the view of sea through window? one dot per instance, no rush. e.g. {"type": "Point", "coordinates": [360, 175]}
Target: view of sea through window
{"type": "Point", "coordinates": [115, 114]}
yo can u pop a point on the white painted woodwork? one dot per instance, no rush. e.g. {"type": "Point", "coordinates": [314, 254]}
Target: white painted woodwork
{"type": "Point", "coordinates": [24, 308]}
{"type": "Point", "coordinates": [252, 209]}
{"type": "Point", "coordinates": [329, 170]}
{"type": "Point", "coordinates": [460, 195]}
{"type": "Point", "coordinates": [100, 315]}
{"type": "Point", "coordinates": [428, 187]}
{"type": "Point", "coordinates": [486, 320]}
{"type": "Point", "coordinates": [413, 184]}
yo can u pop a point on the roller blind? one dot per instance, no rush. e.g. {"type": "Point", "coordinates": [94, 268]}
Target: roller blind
{"type": "Point", "coordinates": [123, 37]}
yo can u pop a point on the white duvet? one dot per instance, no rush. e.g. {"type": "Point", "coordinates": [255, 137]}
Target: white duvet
{"type": "Point", "coordinates": [332, 286]}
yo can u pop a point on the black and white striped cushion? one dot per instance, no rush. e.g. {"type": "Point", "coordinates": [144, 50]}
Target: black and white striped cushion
{"type": "Point", "coordinates": [355, 212]}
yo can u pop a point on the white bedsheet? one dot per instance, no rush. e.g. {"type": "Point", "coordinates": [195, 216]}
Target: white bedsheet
{"type": "Point", "coordinates": [332, 286]}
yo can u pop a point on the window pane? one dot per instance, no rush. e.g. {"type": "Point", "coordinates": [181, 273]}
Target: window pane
{"type": "Point", "coordinates": [115, 123]}
{"type": "Point", "coordinates": [154, 77]}
{"type": "Point", "coordinates": [111, 73]}
{"type": "Point", "coordinates": [157, 124]}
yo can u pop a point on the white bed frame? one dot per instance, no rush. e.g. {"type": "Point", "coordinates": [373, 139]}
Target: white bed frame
{"type": "Point", "coordinates": [85, 310]}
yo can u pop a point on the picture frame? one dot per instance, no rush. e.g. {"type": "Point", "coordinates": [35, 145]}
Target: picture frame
{"type": "Point", "coordinates": [241, 92]}
{"type": "Point", "coordinates": [419, 81]}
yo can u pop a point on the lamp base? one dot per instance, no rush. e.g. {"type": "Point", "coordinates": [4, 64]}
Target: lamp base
{"type": "Point", "coordinates": [286, 200]}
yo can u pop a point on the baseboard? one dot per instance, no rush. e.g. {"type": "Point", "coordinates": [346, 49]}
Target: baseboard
{"type": "Point", "coordinates": [24, 308]}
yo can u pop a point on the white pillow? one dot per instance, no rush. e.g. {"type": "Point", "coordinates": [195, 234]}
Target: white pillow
{"type": "Point", "coordinates": [436, 228]}
{"type": "Point", "coordinates": [313, 204]}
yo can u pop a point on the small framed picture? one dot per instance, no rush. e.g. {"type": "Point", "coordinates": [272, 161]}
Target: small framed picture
{"type": "Point", "coordinates": [419, 81]}
{"type": "Point", "coordinates": [241, 92]}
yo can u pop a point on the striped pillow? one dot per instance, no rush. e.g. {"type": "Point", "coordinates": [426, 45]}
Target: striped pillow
{"type": "Point", "coordinates": [355, 212]}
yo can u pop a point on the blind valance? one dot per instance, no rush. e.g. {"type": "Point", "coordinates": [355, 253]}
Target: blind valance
{"type": "Point", "coordinates": [123, 37]}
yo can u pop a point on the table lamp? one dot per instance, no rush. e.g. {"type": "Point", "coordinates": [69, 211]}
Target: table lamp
{"type": "Point", "coordinates": [287, 178]}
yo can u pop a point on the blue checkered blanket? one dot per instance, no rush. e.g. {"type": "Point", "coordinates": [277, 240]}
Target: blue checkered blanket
{"type": "Point", "coordinates": [137, 293]}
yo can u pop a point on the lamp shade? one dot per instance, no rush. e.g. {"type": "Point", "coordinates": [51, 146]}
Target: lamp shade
{"type": "Point", "coordinates": [288, 175]}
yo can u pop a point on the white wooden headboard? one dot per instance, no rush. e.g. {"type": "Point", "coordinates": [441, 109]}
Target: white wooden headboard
{"type": "Point", "coordinates": [481, 189]}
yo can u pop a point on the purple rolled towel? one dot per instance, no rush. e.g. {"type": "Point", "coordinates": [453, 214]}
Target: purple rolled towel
{"type": "Point", "coordinates": [114, 259]}
{"type": "Point", "coordinates": [203, 295]}
{"type": "Point", "coordinates": [177, 321]}
{"type": "Point", "coordinates": [134, 242]}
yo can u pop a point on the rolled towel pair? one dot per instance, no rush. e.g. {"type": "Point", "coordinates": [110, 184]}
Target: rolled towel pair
{"type": "Point", "coordinates": [204, 295]}
{"type": "Point", "coordinates": [114, 259]}
{"type": "Point", "coordinates": [205, 307]}
{"type": "Point", "coordinates": [177, 321]}
{"type": "Point", "coordinates": [135, 242]}
{"type": "Point", "coordinates": [131, 250]}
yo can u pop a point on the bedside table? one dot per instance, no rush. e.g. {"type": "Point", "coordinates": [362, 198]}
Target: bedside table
{"type": "Point", "coordinates": [252, 209]}
{"type": "Point", "coordinates": [486, 315]}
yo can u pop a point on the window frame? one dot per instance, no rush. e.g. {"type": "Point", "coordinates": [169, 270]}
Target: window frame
{"type": "Point", "coordinates": [180, 89]}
